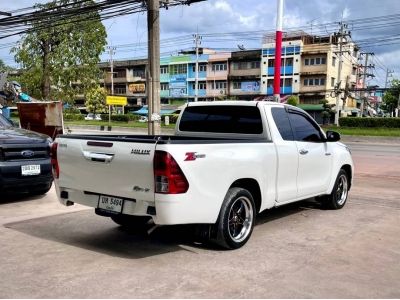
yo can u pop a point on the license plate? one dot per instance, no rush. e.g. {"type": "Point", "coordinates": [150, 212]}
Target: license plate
{"type": "Point", "coordinates": [111, 204]}
{"type": "Point", "coordinates": [29, 170]}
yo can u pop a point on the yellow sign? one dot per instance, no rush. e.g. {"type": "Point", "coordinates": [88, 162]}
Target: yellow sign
{"type": "Point", "coordinates": [137, 88]}
{"type": "Point", "coordinates": [116, 100]}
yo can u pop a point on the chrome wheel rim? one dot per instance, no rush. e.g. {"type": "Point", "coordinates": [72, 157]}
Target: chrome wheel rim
{"type": "Point", "coordinates": [240, 219]}
{"type": "Point", "coordinates": [342, 189]}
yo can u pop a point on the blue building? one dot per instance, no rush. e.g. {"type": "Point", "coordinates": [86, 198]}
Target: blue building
{"type": "Point", "coordinates": [290, 66]}
{"type": "Point", "coordinates": [178, 76]}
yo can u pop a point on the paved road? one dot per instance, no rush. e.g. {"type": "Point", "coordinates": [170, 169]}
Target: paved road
{"type": "Point", "coordinates": [301, 251]}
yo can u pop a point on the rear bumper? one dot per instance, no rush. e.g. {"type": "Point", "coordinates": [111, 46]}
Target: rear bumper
{"type": "Point", "coordinates": [131, 206]}
{"type": "Point", "coordinates": [167, 210]}
{"type": "Point", "coordinates": [11, 179]}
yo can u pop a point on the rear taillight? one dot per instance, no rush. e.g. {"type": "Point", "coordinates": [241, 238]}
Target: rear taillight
{"type": "Point", "coordinates": [168, 176]}
{"type": "Point", "coordinates": [54, 161]}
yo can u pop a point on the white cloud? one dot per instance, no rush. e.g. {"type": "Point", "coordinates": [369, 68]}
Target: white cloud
{"type": "Point", "coordinates": [224, 6]}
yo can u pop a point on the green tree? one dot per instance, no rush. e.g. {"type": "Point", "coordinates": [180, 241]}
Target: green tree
{"type": "Point", "coordinates": [60, 54]}
{"type": "Point", "coordinates": [391, 97]}
{"type": "Point", "coordinates": [4, 67]}
{"type": "Point", "coordinates": [96, 100]}
{"type": "Point", "coordinates": [327, 113]}
{"type": "Point", "coordinates": [293, 100]}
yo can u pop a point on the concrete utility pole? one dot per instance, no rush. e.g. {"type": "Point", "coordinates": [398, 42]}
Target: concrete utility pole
{"type": "Point", "coordinates": [365, 75]}
{"type": "Point", "coordinates": [398, 107]}
{"type": "Point", "coordinates": [153, 72]}
{"type": "Point", "coordinates": [340, 36]}
{"type": "Point", "coordinates": [111, 51]}
{"type": "Point", "coordinates": [278, 52]}
{"type": "Point", "coordinates": [197, 40]}
{"type": "Point", "coordinates": [388, 74]}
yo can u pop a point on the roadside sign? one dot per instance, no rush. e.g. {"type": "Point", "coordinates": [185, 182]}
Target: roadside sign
{"type": "Point", "coordinates": [116, 100]}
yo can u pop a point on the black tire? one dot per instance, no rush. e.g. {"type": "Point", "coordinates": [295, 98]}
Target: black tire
{"type": "Point", "coordinates": [236, 219]}
{"type": "Point", "coordinates": [338, 198]}
{"type": "Point", "coordinates": [131, 222]}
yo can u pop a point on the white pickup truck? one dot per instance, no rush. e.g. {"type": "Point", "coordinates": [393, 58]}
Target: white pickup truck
{"type": "Point", "coordinates": [226, 162]}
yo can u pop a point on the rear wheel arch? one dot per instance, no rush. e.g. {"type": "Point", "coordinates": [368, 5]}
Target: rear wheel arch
{"type": "Point", "coordinates": [253, 187]}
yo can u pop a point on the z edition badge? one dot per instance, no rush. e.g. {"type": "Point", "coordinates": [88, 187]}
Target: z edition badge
{"type": "Point", "coordinates": [140, 152]}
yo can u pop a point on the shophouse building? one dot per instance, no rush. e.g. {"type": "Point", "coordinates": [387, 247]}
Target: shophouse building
{"type": "Point", "coordinates": [129, 80]}
{"type": "Point", "coordinates": [217, 76]}
{"type": "Point", "coordinates": [319, 72]}
{"type": "Point", "coordinates": [290, 65]}
{"type": "Point", "coordinates": [244, 74]}
{"type": "Point", "coordinates": [178, 77]}
{"type": "Point", "coordinates": [310, 69]}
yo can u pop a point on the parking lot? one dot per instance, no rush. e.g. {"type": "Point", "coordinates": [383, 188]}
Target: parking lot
{"type": "Point", "coordinates": [300, 250]}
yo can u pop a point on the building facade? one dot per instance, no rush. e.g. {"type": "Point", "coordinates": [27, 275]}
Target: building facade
{"type": "Point", "coordinates": [309, 69]}
{"type": "Point", "coordinates": [129, 79]}
{"type": "Point", "coordinates": [244, 74]}
{"type": "Point", "coordinates": [290, 65]}
{"type": "Point", "coordinates": [319, 77]}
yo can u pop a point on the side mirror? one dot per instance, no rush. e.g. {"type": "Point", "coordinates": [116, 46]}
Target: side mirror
{"type": "Point", "coordinates": [332, 136]}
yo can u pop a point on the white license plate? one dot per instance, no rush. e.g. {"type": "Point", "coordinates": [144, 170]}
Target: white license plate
{"type": "Point", "coordinates": [112, 204]}
{"type": "Point", "coordinates": [29, 170]}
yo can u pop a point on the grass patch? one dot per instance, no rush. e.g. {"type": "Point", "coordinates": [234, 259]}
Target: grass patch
{"type": "Point", "coordinates": [366, 131]}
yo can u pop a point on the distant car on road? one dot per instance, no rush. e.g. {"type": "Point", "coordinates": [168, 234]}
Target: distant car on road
{"type": "Point", "coordinates": [92, 116]}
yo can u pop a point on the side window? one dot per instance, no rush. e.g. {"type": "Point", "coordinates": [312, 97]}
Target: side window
{"type": "Point", "coordinates": [304, 129]}
{"type": "Point", "coordinates": [282, 122]}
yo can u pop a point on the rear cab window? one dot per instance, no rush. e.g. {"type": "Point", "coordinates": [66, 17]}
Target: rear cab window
{"type": "Point", "coordinates": [222, 119]}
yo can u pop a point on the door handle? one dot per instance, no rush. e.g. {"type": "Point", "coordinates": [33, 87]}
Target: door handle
{"type": "Point", "coordinates": [327, 153]}
{"type": "Point", "coordinates": [99, 157]}
{"type": "Point", "coordinates": [303, 151]}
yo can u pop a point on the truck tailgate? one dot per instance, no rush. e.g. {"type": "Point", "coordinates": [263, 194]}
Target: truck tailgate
{"type": "Point", "coordinates": [116, 168]}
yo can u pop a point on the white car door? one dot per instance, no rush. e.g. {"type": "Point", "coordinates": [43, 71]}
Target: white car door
{"type": "Point", "coordinates": [315, 157]}
{"type": "Point", "coordinates": [286, 183]}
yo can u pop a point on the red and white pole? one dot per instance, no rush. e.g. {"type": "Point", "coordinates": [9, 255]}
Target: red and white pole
{"type": "Point", "coordinates": [278, 52]}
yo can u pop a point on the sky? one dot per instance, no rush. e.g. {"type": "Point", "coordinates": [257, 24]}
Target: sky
{"type": "Point", "coordinates": [251, 16]}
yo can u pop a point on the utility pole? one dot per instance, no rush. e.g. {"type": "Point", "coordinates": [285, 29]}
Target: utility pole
{"type": "Point", "coordinates": [153, 72]}
{"type": "Point", "coordinates": [278, 52]}
{"type": "Point", "coordinates": [111, 51]}
{"type": "Point", "coordinates": [398, 107]}
{"type": "Point", "coordinates": [340, 35]}
{"type": "Point", "coordinates": [388, 74]}
{"type": "Point", "coordinates": [197, 40]}
{"type": "Point", "coordinates": [365, 75]}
